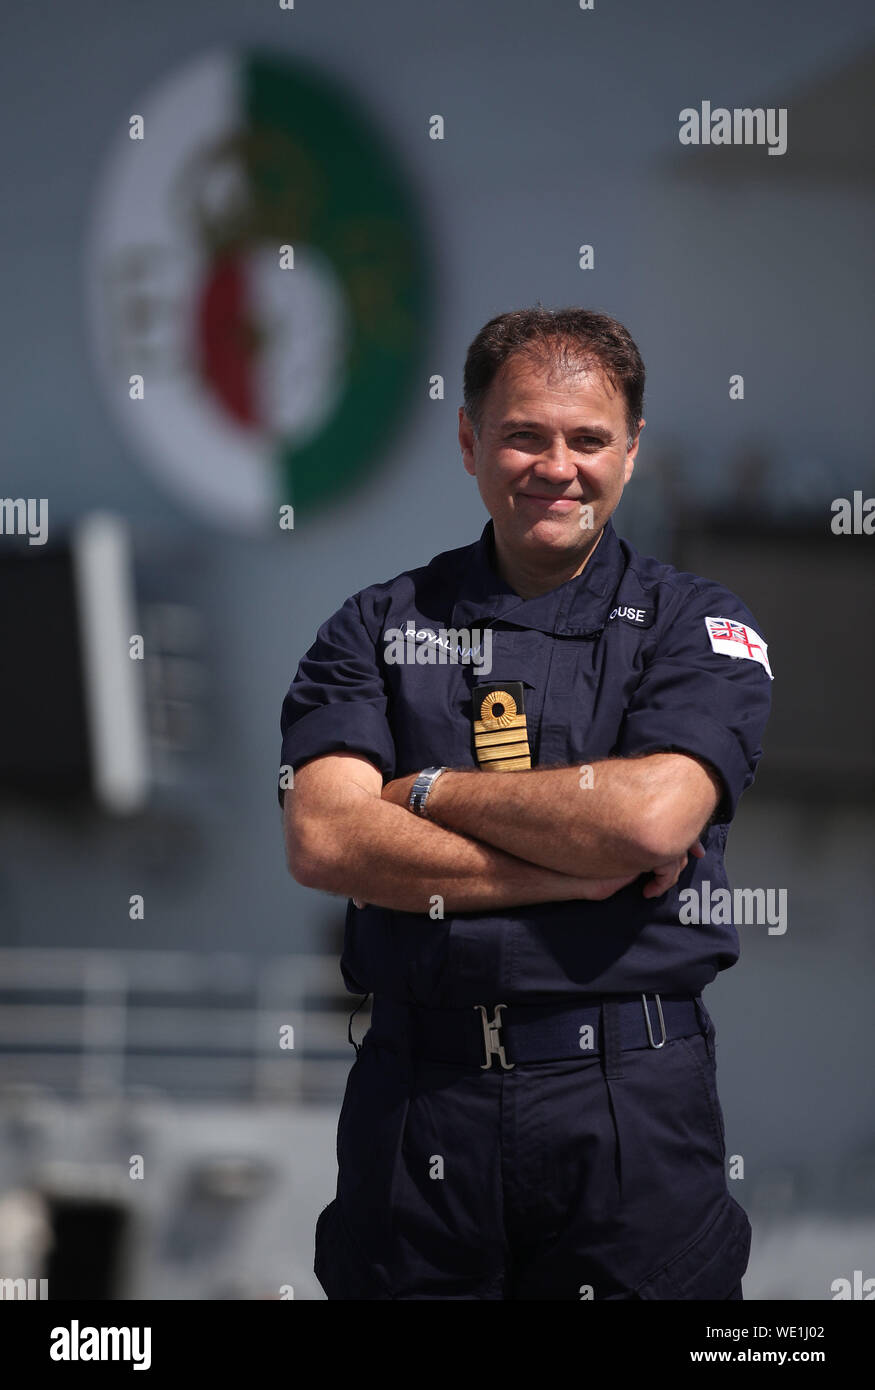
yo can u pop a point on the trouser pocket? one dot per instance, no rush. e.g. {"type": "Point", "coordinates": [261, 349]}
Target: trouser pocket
{"type": "Point", "coordinates": [712, 1264]}
{"type": "Point", "coordinates": [339, 1265]}
{"type": "Point", "coordinates": [702, 1060]}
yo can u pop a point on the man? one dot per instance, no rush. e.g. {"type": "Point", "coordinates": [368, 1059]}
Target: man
{"type": "Point", "coordinates": [512, 760]}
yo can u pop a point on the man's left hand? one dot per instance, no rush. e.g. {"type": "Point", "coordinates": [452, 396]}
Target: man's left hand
{"type": "Point", "coordinates": [398, 790]}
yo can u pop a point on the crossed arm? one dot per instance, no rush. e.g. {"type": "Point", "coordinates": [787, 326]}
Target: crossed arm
{"type": "Point", "coordinates": [496, 839]}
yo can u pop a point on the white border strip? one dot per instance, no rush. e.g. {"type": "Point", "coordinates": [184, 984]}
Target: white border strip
{"type": "Point", "coordinates": [103, 574]}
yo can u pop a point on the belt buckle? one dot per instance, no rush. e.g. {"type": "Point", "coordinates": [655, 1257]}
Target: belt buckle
{"type": "Point", "coordinates": [492, 1045]}
{"type": "Point", "coordinates": [647, 1021]}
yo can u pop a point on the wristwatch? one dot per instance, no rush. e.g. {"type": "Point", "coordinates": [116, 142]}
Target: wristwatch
{"type": "Point", "coordinates": [421, 788]}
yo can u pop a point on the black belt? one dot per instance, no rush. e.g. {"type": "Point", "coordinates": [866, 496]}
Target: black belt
{"type": "Point", "coordinates": [523, 1033]}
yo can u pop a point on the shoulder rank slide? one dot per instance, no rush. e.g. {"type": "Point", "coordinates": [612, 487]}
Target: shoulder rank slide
{"type": "Point", "coordinates": [501, 741]}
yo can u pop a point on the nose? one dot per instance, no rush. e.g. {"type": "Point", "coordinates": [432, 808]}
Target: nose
{"type": "Point", "coordinates": [556, 464]}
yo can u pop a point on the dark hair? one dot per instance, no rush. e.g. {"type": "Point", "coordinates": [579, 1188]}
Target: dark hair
{"type": "Point", "coordinates": [567, 340]}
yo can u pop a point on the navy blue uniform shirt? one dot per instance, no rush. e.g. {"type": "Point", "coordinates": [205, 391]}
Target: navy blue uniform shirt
{"type": "Point", "coordinates": [616, 662]}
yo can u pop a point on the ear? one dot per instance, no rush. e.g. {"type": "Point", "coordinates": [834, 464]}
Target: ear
{"type": "Point", "coordinates": [466, 441]}
{"type": "Point", "coordinates": [631, 454]}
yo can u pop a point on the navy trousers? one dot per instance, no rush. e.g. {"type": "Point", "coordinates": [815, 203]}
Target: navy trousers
{"type": "Point", "coordinates": [590, 1178]}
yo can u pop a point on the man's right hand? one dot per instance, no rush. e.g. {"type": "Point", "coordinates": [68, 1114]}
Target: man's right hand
{"type": "Point", "coordinates": [665, 876]}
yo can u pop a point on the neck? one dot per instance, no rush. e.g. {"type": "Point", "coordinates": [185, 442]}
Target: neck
{"type": "Point", "coordinates": [531, 576]}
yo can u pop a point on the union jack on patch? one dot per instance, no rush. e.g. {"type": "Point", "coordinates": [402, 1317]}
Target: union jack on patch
{"type": "Point", "coordinates": [732, 638]}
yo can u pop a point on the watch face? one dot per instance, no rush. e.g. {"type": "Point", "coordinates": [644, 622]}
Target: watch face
{"type": "Point", "coordinates": [501, 742]}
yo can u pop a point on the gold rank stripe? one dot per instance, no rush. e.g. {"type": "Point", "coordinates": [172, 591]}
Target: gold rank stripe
{"type": "Point", "coordinates": [510, 765]}
{"type": "Point", "coordinates": [498, 736]}
{"type": "Point", "coordinates": [503, 751]}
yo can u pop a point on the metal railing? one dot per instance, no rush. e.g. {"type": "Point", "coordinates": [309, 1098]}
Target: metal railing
{"type": "Point", "coordinates": [97, 1023]}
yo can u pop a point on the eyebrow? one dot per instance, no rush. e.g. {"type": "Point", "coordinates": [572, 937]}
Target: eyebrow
{"type": "Point", "coordinates": [599, 431]}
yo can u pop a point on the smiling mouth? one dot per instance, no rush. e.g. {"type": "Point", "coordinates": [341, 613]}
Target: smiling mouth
{"type": "Point", "coordinates": [550, 501]}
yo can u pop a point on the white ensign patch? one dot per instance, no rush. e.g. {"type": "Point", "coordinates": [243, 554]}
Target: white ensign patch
{"type": "Point", "coordinates": [732, 638]}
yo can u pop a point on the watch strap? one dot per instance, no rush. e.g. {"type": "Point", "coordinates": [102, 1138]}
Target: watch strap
{"type": "Point", "coordinates": [421, 788]}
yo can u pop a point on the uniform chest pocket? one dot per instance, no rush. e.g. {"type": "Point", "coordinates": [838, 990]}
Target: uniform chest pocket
{"type": "Point", "coordinates": [605, 681]}
{"type": "Point", "coordinates": [428, 710]}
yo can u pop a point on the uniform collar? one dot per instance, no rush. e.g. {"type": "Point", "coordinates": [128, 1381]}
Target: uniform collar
{"type": "Point", "coordinates": [578, 606]}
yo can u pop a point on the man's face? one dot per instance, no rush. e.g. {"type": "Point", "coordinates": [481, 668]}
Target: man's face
{"type": "Point", "coordinates": [551, 460]}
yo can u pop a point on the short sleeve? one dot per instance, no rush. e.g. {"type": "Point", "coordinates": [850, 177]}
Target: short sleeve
{"type": "Point", "coordinates": [710, 699]}
{"type": "Point", "coordinates": [337, 701]}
